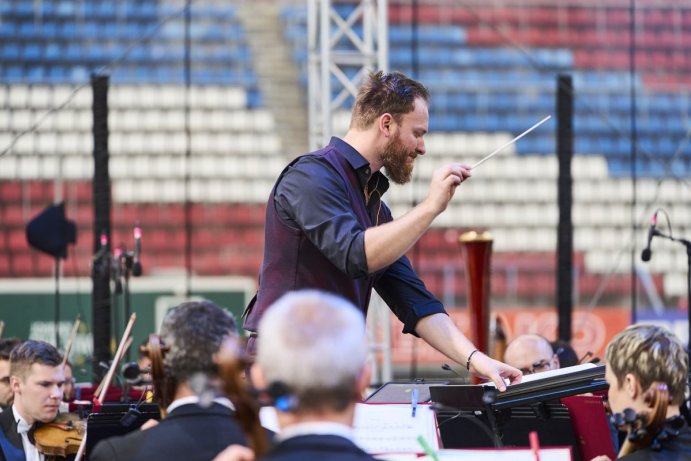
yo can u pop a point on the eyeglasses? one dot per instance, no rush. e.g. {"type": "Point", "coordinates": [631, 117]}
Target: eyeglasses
{"type": "Point", "coordinates": [542, 365]}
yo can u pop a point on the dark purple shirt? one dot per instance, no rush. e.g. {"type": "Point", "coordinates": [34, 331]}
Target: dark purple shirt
{"type": "Point", "coordinates": [312, 197]}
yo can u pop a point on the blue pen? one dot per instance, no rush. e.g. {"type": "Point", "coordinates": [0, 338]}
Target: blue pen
{"type": "Point", "coordinates": [413, 400]}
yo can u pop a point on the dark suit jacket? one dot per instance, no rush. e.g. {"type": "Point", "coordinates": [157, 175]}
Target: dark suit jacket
{"type": "Point", "coordinates": [9, 427]}
{"type": "Point", "coordinates": [188, 433]}
{"type": "Point", "coordinates": [317, 447]}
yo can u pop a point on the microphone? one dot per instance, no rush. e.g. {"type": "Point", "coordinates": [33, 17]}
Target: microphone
{"type": "Point", "coordinates": [447, 367]}
{"type": "Point", "coordinates": [131, 372]}
{"type": "Point", "coordinates": [136, 263]}
{"type": "Point", "coordinates": [102, 248]}
{"type": "Point", "coordinates": [117, 268]}
{"type": "Point", "coordinates": [647, 251]}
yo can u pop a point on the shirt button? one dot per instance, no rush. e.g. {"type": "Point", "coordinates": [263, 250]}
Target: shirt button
{"type": "Point", "coordinates": [367, 171]}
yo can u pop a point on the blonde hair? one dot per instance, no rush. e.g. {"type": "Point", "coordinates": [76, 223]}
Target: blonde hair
{"type": "Point", "coordinates": [651, 353]}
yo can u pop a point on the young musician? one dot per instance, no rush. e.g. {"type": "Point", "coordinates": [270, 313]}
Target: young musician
{"type": "Point", "coordinates": [636, 358]}
{"type": "Point", "coordinates": [36, 379]}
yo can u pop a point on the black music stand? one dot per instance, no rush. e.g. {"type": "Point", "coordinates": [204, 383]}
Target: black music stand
{"type": "Point", "coordinates": [400, 392]}
{"type": "Point", "coordinates": [117, 419]}
{"type": "Point", "coordinates": [472, 416]}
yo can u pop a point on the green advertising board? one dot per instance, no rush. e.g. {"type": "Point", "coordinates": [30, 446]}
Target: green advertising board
{"type": "Point", "coordinates": [28, 309]}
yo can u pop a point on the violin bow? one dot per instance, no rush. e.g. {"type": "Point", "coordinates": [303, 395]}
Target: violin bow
{"type": "Point", "coordinates": [109, 376]}
{"type": "Point", "coordinates": [68, 347]}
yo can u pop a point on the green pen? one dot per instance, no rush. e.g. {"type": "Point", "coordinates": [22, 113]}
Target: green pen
{"type": "Point", "coordinates": [428, 450]}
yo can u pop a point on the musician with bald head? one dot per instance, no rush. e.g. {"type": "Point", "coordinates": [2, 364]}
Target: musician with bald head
{"type": "Point", "coordinates": [636, 358]}
{"type": "Point", "coordinates": [531, 353]}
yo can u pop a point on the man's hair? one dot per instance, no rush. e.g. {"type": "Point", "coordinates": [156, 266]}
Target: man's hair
{"type": "Point", "coordinates": [6, 346]}
{"type": "Point", "coordinates": [30, 352]}
{"type": "Point", "coordinates": [314, 344]}
{"type": "Point", "coordinates": [651, 353]}
{"type": "Point", "coordinates": [566, 353]}
{"type": "Point", "coordinates": [194, 331]}
{"type": "Point", "coordinates": [382, 93]}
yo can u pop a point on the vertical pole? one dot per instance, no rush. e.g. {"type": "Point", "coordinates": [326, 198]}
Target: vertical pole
{"type": "Point", "coordinates": [100, 272]}
{"type": "Point", "coordinates": [565, 277]}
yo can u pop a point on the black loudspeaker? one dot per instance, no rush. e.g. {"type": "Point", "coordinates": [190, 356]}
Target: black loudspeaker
{"type": "Point", "coordinates": [50, 232]}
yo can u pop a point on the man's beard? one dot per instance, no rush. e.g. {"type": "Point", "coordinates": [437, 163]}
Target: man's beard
{"type": "Point", "coordinates": [395, 158]}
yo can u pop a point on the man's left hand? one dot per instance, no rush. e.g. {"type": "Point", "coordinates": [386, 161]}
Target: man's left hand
{"type": "Point", "coordinates": [494, 370]}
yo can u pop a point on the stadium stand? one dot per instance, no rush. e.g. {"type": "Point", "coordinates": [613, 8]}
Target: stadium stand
{"type": "Point", "coordinates": [491, 69]}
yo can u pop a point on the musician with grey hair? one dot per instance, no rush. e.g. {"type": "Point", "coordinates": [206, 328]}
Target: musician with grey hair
{"type": "Point", "coordinates": [193, 429]}
{"type": "Point", "coordinates": [312, 354]}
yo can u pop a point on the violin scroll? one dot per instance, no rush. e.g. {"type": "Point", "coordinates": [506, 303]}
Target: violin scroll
{"type": "Point", "coordinates": [645, 429]}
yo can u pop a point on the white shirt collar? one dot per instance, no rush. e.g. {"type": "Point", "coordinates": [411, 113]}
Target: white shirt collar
{"type": "Point", "coordinates": [194, 399]}
{"type": "Point", "coordinates": [22, 425]}
{"type": "Point", "coordinates": [31, 453]}
{"type": "Point", "coordinates": [316, 428]}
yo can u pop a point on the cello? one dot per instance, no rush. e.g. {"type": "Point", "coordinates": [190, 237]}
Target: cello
{"type": "Point", "coordinates": [232, 360]}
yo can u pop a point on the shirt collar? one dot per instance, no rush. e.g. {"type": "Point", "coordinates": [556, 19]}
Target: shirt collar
{"type": "Point", "coordinates": [316, 428]}
{"type": "Point", "coordinates": [194, 399]}
{"type": "Point", "coordinates": [360, 165]}
{"type": "Point", "coordinates": [22, 425]}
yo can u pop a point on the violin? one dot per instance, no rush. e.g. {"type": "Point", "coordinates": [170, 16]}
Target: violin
{"type": "Point", "coordinates": [645, 427]}
{"type": "Point", "coordinates": [232, 360]}
{"type": "Point", "coordinates": [163, 388]}
{"type": "Point", "coordinates": [61, 437]}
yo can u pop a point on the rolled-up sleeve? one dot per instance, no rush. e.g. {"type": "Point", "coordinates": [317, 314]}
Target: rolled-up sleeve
{"type": "Point", "coordinates": [312, 197]}
{"type": "Point", "coordinates": [406, 295]}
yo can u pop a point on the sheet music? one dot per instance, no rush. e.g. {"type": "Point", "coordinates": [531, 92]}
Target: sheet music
{"type": "Point", "coordinates": [391, 428]}
{"type": "Point", "coordinates": [551, 373]}
{"type": "Point", "coordinates": [495, 454]}
{"type": "Point", "coordinates": [546, 454]}
{"type": "Point", "coordinates": [383, 428]}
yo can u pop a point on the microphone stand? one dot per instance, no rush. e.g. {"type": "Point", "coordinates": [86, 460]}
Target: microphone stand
{"type": "Point", "coordinates": [687, 244]}
{"type": "Point", "coordinates": [126, 291]}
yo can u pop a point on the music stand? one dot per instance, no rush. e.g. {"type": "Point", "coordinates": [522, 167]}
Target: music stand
{"type": "Point", "coordinates": [393, 392]}
{"type": "Point", "coordinates": [117, 419]}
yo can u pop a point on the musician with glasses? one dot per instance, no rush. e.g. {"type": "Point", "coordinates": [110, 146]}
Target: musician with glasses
{"type": "Point", "coordinates": [531, 353]}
